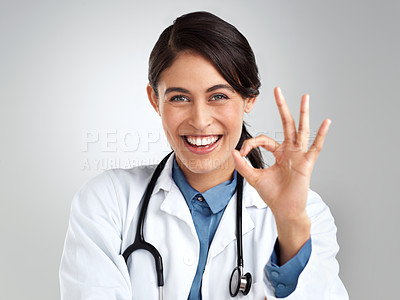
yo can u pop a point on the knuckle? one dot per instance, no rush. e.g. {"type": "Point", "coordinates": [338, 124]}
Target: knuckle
{"type": "Point", "coordinates": [285, 121]}
{"type": "Point", "coordinates": [262, 138]}
{"type": "Point", "coordinates": [315, 148]}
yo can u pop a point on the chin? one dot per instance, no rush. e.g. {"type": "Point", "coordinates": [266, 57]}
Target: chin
{"type": "Point", "coordinates": [204, 165]}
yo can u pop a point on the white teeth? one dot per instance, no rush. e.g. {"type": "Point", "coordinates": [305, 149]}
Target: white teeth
{"type": "Point", "coordinates": [198, 141]}
{"type": "Point", "coordinates": [205, 141]}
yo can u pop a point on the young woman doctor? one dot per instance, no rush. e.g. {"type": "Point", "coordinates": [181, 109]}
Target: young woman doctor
{"type": "Point", "coordinates": [202, 79]}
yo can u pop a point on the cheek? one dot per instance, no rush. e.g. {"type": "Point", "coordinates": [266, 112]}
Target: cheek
{"type": "Point", "coordinates": [232, 120]}
{"type": "Point", "coordinates": [168, 125]}
{"type": "Point", "coordinates": [171, 119]}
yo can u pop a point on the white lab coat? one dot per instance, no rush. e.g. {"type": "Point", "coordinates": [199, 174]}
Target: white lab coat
{"type": "Point", "coordinates": [102, 225]}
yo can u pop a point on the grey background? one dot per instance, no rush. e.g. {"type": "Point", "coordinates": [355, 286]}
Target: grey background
{"type": "Point", "coordinates": [70, 70]}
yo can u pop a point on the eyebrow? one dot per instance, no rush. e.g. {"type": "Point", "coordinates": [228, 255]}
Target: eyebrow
{"type": "Point", "coordinates": [211, 89]}
{"type": "Point", "coordinates": [220, 86]}
{"type": "Point", "coordinates": [176, 89]}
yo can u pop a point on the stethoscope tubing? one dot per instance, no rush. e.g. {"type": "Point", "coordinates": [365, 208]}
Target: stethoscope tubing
{"type": "Point", "coordinates": [140, 243]}
{"type": "Point", "coordinates": [239, 220]}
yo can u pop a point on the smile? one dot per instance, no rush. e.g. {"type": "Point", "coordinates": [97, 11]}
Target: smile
{"type": "Point", "coordinates": [201, 144]}
{"type": "Point", "coordinates": [202, 141]}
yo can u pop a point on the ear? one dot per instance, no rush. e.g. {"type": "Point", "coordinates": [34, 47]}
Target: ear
{"type": "Point", "coordinates": [151, 94]}
{"type": "Point", "coordinates": [249, 104]}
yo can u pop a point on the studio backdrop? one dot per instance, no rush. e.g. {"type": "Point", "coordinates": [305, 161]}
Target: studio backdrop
{"type": "Point", "coordinates": [73, 104]}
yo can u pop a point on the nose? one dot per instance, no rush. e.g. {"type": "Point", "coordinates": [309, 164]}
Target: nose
{"type": "Point", "coordinates": [200, 115]}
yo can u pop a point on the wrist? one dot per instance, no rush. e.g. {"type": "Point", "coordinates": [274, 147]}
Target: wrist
{"type": "Point", "coordinates": [292, 235]}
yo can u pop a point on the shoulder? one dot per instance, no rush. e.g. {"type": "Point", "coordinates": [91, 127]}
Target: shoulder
{"type": "Point", "coordinates": [112, 188]}
{"type": "Point", "coordinates": [132, 177]}
{"type": "Point", "coordinates": [112, 178]}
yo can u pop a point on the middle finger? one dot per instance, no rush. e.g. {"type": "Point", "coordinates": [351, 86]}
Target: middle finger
{"type": "Point", "coordinates": [289, 127]}
{"type": "Point", "coordinates": [304, 123]}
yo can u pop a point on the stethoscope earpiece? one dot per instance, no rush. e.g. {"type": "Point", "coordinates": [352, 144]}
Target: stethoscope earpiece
{"type": "Point", "coordinates": [239, 282]}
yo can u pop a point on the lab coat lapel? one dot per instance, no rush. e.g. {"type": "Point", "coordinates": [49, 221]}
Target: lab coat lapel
{"type": "Point", "coordinates": [174, 203]}
{"type": "Point", "coordinates": [165, 180]}
{"type": "Point", "coordinates": [226, 232]}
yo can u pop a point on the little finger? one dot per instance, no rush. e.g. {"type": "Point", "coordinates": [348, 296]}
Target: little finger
{"type": "Point", "coordinates": [316, 147]}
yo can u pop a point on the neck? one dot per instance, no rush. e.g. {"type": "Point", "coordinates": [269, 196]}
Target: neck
{"type": "Point", "coordinates": [204, 181]}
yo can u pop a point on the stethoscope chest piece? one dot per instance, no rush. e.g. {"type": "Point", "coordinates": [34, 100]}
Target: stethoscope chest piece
{"type": "Point", "coordinates": [239, 282]}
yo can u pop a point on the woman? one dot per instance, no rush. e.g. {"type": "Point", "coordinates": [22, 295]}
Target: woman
{"type": "Point", "coordinates": [202, 79]}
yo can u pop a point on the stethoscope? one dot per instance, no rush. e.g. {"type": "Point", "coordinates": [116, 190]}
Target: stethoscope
{"type": "Point", "coordinates": [238, 281]}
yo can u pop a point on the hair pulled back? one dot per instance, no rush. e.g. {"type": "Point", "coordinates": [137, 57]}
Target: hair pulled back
{"type": "Point", "coordinates": [220, 43]}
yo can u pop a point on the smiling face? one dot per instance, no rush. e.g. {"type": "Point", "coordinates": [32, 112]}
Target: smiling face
{"type": "Point", "coordinates": [202, 117]}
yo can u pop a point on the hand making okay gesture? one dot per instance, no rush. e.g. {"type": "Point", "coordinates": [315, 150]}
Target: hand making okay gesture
{"type": "Point", "coordinates": [284, 185]}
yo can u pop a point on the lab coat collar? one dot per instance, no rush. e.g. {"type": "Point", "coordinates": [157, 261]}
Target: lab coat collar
{"type": "Point", "coordinates": [166, 182]}
{"type": "Point", "coordinates": [226, 231]}
{"type": "Point", "coordinates": [251, 196]}
{"type": "Point", "coordinates": [175, 204]}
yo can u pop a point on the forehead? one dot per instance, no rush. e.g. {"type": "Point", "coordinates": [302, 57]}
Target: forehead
{"type": "Point", "coordinates": [191, 71]}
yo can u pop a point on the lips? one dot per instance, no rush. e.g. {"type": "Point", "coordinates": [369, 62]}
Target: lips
{"type": "Point", "coordinates": [201, 141]}
{"type": "Point", "coordinates": [201, 144]}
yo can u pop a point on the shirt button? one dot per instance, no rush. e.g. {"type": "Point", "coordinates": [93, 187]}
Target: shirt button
{"type": "Point", "coordinates": [275, 274]}
{"type": "Point", "coordinates": [188, 260]}
{"type": "Point", "coordinates": [281, 286]}
{"type": "Point", "coordinates": [200, 198]}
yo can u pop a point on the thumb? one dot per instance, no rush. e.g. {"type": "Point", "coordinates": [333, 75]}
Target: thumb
{"type": "Point", "coordinates": [242, 166]}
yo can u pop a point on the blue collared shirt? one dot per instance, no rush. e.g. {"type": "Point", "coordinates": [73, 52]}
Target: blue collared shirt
{"type": "Point", "coordinates": [284, 278]}
{"type": "Point", "coordinates": [207, 209]}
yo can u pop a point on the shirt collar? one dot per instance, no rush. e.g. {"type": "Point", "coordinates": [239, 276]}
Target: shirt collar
{"type": "Point", "coordinates": [216, 197]}
{"type": "Point", "coordinates": [187, 190]}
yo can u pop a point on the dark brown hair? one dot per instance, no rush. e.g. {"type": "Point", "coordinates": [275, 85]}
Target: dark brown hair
{"type": "Point", "coordinates": [219, 42]}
